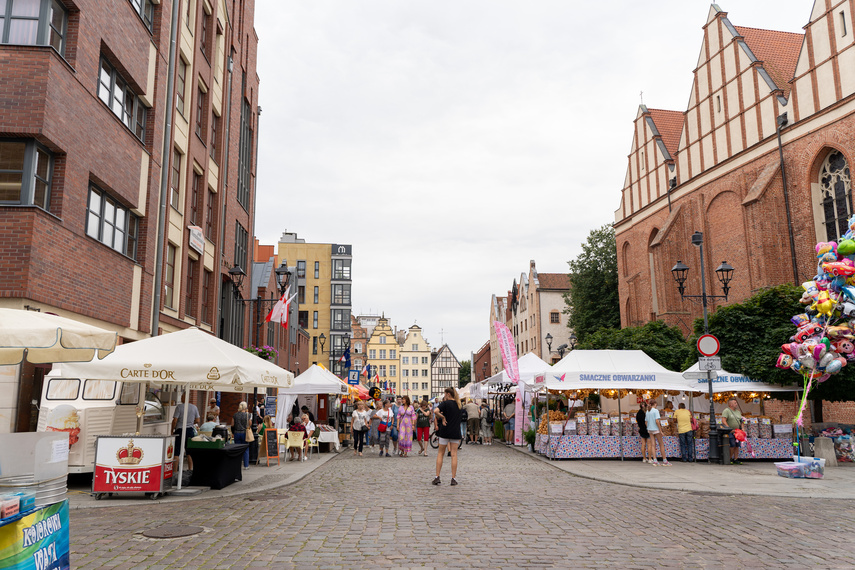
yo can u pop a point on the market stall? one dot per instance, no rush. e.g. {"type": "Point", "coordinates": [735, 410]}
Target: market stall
{"type": "Point", "coordinates": [191, 359]}
{"type": "Point", "coordinates": [314, 382]}
{"type": "Point", "coordinates": [622, 379]}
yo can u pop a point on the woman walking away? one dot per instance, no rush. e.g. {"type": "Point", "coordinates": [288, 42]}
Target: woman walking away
{"type": "Point", "coordinates": [654, 428]}
{"type": "Point", "coordinates": [385, 416]}
{"type": "Point", "coordinates": [239, 427]}
{"type": "Point", "coordinates": [406, 418]}
{"type": "Point", "coordinates": [641, 420]}
{"type": "Point", "coordinates": [423, 426]}
{"type": "Point", "coordinates": [359, 423]}
{"type": "Point", "coordinates": [486, 425]}
{"type": "Point", "coordinates": [448, 416]}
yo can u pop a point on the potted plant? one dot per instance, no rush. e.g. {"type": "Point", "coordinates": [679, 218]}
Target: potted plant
{"type": "Point", "coordinates": [530, 435]}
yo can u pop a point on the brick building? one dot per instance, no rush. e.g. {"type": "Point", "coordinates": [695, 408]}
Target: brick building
{"type": "Point", "coordinates": [82, 159]}
{"type": "Point", "coordinates": [716, 167]}
{"type": "Point", "coordinates": [481, 369]}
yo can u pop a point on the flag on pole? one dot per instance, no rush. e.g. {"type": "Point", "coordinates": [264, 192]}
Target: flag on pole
{"type": "Point", "coordinates": [279, 312]}
{"type": "Point", "coordinates": [364, 371]}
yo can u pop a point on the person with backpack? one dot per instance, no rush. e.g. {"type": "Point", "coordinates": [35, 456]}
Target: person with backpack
{"type": "Point", "coordinates": [473, 421]}
{"type": "Point", "coordinates": [464, 417]}
{"type": "Point", "coordinates": [423, 418]}
{"type": "Point", "coordinates": [486, 424]}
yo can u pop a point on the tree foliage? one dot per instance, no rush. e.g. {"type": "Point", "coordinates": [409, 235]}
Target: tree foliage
{"type": "Point", "coordinates": [751, 334]}
{"type": "Point", "coordinates": [660, 342]}
{"type": "Point", "coordinates": [463, 373]}
{"type": "Point", "coordinates": [593, 301]}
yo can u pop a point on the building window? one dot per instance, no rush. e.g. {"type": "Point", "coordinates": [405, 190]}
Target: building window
{"type": "Point", "coordinates": [118, 96]}
{"type": "Point", "coordinates": [301, 269]}
{"type": "Point", "coordinates": [314, 345]}
{"type": "Point", "coordinates": [33, 22]}
{"type": "Point", "coordinates": [317, 270]}
{"type": "Point", "coordinates": [341, 296]}
{"type": "Point", "coordinates": [383, 354]}
{"type": "Point", "coordinates": [194, 198]}
{"type": "Point", "coordinates": [111, 224]}
{"type": "Point", "coordinates": [372, 354]}
{"type": "Point", "coordinates": [315, 320]}
{"type": "Point", "coordinates": [406, 385]}
{"type": "Point", "coordinates": [317, 291]}
{"type": "Point", "coordinates": [181, 86]}
{"type": "Point", "coordinates": [169, 277]}
{"type": "Point", "coordinates": [241, 243]}
{"type": "Point", "coordinates": [203, 34]}
{"type": "Point", "coordinates": [424, 361]}
{"type": "Point", "coordinates": [341, 269]}
{"type": "Point", "coordinates": [424, 371]}
{"type": "Point", "coordinates": [382, 370]}
{"type": "Point", "coordinates": [424, 386]}
{"type": "Point", "coordinates": [382, 340]}
{"type": "Point", "coordinates": [303, 318]}
{"type": "Point", "coordinates": [200, 113]}
{"type": "Point", "coordinates": [405, 360]}
{"type": "Point", "coordinates": [393, 354]}
{"type": "Point", "coordinates": [189, 307]}
{"type": "Point", "coordinates": [245, 151]}
{"type": "Point", "coordinates": [215, 125]}
{"type": "Point", "coordinates": [835, 194]}
{"type": "Point", "coordinates": [209, 216]}
{"type": "Point", "coordinates": [26, 170]}
{"type": "Point", "coordinates": [301, 294]}
{"type": "Point", "coordinates": [393, 370]}
{"type": "Point", "coordinates": [189, 15]}
{"type": "Point", "coordinates": [175, 186]}
{"type": "Point", "coordinates": [405, 373]}
{"type": "Point", "coordinates": [341, 321]}
{"type": "Point", "coordinates": [554, 317]}
{"type": "Point", "coordinates": [415, 372]}
{"type": "Point", "coordinates": [145, 10]}
{"type": "Point", "coordinates": [206, 290]}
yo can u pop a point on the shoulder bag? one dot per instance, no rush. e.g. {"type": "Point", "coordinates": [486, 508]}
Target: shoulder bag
{"type": "Point", "coordinates": [250, 437]}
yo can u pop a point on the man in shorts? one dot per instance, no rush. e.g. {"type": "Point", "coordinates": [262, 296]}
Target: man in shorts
{"type": "Point", "coordinates": [732, 417]}
{"type": "Point", "coordinates": [473, 420]}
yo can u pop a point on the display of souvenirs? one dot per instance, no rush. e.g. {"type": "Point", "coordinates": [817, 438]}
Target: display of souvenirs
{"type": "Point", "coordinates": [581, 424]}
{"type": "Point", "coordinates": [594, 424]}
{"type": "Point", "coordinates": [765, 427]}
{"type": "Point", "coordinates": [633, 425]}
{"type": "Point", "coordinates": [782, 431]}
{"type": "Point", "coordinates": [752, 427]}
{"type": "Point", "coordinates": [843, 449]}
{"type": "Point", "coordinates": [605, 426]}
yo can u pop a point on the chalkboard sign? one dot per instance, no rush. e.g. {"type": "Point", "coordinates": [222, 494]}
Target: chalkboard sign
{"type": "Point", "coordinates": [271, 443]}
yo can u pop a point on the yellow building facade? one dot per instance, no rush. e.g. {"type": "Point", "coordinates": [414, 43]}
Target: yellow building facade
{"type": "Point", "coordinates": [324, 294]}
{"type": "Point", "coordinates": [383, 354]}
{"type": "Point", "coordinates": [415, 365]}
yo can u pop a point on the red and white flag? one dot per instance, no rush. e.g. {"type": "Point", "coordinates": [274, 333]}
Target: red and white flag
{"type": "Point", "coordinates": [364, 371]}
{"type": "Point", "coordinates": [279, 312]}
{"type": "Point", "coordinates": [342, 359]}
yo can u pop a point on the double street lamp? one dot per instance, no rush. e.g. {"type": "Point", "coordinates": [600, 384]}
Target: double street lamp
{"type": "Point", "coordinates": [724, 273]}
{"type": "Point", "coordinates": [237, 275]}
{"type": "Point", "coordinates": [562, 348]}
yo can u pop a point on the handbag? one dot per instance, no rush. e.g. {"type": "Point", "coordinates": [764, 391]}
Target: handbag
{"type": "Point", "coordinates": [250, 437]}
{"type": "Point", "coordinates": [695, 424]}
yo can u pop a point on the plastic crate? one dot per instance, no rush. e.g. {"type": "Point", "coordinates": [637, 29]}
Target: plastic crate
{"type": "Point", "coordinates": [791, 469]}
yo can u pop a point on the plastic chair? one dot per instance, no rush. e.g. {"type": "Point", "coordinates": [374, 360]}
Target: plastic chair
{"type": "Point", "coordinates": [313, 441]}
{"type": "Point", "coordinates": [295, 439]}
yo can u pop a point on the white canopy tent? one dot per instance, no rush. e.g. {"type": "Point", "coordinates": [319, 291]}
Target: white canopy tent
{"type": "Point", "coordinates": [529, 364]}
{"type": "Point", "coordinates": [190, 358]}
{"type": "Point", "coordinates": [729, 382]}
{"type": "Point", "coordinates": [315, 380]}
{"type": "Point", "coordinates": [44, 338]}
{"type": "Point", "coordinates": [605, 369]}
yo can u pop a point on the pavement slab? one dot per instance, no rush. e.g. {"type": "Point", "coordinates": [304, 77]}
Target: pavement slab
{"type": "Point", "coordinates": [511, 510]}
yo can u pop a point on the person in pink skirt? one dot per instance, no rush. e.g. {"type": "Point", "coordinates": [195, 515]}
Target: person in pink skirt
{"type": "Point", "coordinates": [406, 420]}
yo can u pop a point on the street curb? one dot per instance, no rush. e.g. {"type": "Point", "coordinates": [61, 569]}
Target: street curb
{"type": "Point", "coordinates": [290, 480]}
{"type": "Point", "coordinates": [551, 463]}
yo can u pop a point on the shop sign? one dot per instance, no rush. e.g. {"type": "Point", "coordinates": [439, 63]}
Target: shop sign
{"type": "Point", "coordinates": [126, 464]}
{"type": "Point", "coordinates": [540, 379]}
{"type": "Point", "coordinates": [270, 406]}
{"type": "Point", "coordinates": [37, 541]}
{"type": "Point", "coordinates": [197, 239]}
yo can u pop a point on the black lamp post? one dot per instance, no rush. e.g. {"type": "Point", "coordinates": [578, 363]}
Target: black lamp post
{"type": "Point", "coordinates": [724, 273]}
{"type": "Point", "coordinates": [549, 342]}
{"type": "Point", "coordinates": [562, 349]}
{"type": "Point", "coordinates": [573, 341]}
{"type": "Point", "coordinates": [322, 339]}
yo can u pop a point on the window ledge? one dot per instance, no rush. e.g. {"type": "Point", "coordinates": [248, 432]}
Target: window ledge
{"type": "Point", "coordinates": [38, 209]}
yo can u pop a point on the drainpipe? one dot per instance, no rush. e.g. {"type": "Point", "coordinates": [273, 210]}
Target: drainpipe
{"type": "Point", "coordinates": [223, 184]}
{"type": "Point", "coordinates": [781, 121]}
{"type": "Point", "coordinates": [164, 171]}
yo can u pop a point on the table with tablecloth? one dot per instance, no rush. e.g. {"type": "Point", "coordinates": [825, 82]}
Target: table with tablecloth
{"type": "Point", "coordinates": [217, 468]}
{"type": "Point", "coordinates": [601, 446]}
{"type": "Point", "coordinates": [329, 435]}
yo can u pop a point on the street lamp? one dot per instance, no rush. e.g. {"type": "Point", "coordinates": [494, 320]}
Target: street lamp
{"type": "Point", "coordinates": [322, 339]}
{"type": "Point", "coordinates": [573, 341]}
{"type": "Point", "coordinates": [549, 341]}
{"type": "Point", "coordinates": [282, 275]}
{"type": "Point", "coordinates": [724, 273]}
{"type": "Point", "coordinates": [562, 349]}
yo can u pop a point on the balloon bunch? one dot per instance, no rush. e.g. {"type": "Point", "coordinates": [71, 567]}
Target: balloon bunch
{"type": "Point", "coordinates": [823, 343]}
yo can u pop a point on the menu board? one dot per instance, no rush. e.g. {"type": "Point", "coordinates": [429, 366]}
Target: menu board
{"type": "Point", "coordinates": [271, 441]}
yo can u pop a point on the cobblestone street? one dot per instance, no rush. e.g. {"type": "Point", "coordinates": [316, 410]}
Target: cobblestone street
{"type": "Point", "coordinates": [509, 511]}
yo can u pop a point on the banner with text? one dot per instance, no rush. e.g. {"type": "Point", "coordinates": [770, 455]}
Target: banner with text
{"type": "Point", "coordinates": [508, 350]}
{"type": "Point", "coordinates": [37, 540]}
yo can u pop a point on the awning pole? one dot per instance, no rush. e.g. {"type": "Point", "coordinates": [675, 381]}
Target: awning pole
{"type": "Point", "coordinates": [620, 426]}
{"type": "Point", "coordinates": [183, 437]}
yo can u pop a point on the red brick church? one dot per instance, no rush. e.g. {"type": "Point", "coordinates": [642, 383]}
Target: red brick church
{"type": "Point", "coordinates": [768, 136]}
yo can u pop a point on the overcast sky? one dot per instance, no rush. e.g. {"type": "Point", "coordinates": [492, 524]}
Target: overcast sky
{"type": "Point", "coordinates": [450, 142]}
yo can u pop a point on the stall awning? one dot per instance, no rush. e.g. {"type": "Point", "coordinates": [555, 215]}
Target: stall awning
{"type": "Point", "coordinates": [603, 369]}
{"type": "Point", "coordinates": [529, 366]}
{"type": "Point", "coordinates": [316, 380]}
{"type": "Point", "coordinates": [729, 382]}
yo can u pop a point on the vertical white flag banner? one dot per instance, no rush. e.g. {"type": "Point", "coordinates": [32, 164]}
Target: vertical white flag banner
{"type": "Point", "coordinates": [512, 369]}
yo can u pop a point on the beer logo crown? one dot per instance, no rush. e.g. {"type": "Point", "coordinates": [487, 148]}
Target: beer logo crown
{"type": "Point", "coordinates": [214, 374]}
{"type": "Point", "coordinates": [147, 365]}
{"type": "Point", "coordinates": [129, 455]}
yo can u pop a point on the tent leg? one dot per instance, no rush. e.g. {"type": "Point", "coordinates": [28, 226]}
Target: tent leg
{"type": "Point", "coordinates": [183, 437]}
{"type": "Point", "coordinates": [620, 428]}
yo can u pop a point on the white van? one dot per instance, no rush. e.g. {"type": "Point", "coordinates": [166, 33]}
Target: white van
{"type": "Point", "coordinates": [89, 408]}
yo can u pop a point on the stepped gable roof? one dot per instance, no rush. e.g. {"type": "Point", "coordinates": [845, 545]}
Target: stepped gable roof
{"type": "Point", "coordinates": [779, 52]}
{"type": "Point", "coordinates": [559, 281]}
{"type": "Point", "coordinates": [670, 127]}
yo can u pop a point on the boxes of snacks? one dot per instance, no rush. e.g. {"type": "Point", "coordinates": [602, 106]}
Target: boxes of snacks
{"type": "Point", "coordinates": [752, 427]}
{"type": "Point", "coordinates": [9, 506]}
{"type": "Point", "coordinates": [581, 424]}
{"type": "Point", "coordinates": [570, 427]}
{"type": "Point", "coordinates": [605, 426]}
{"type": "Point", "coordinates": [765, 427]}
{"type": "Point", "coordinates": [782, 431]}
{"type": "Point", "coordinates": [594, 424]}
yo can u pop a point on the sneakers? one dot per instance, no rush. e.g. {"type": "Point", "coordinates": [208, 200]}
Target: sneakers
{"type": "Point", "coordinates": [387, 454]}
{"type": "Point", "coordinates": [436, 481]}
{"type": "Point", "coordinates": [737, 462]}
{"type": "Point", "coordinates": [666, 462]}
{"type": "Point", "coordinates": [453, 482]}
{"type": "Point", "coordinates": [654, 463]}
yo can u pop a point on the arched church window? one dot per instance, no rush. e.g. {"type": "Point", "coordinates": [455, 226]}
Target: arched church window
{"type": "Point", "coordinates": [836, 194]}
